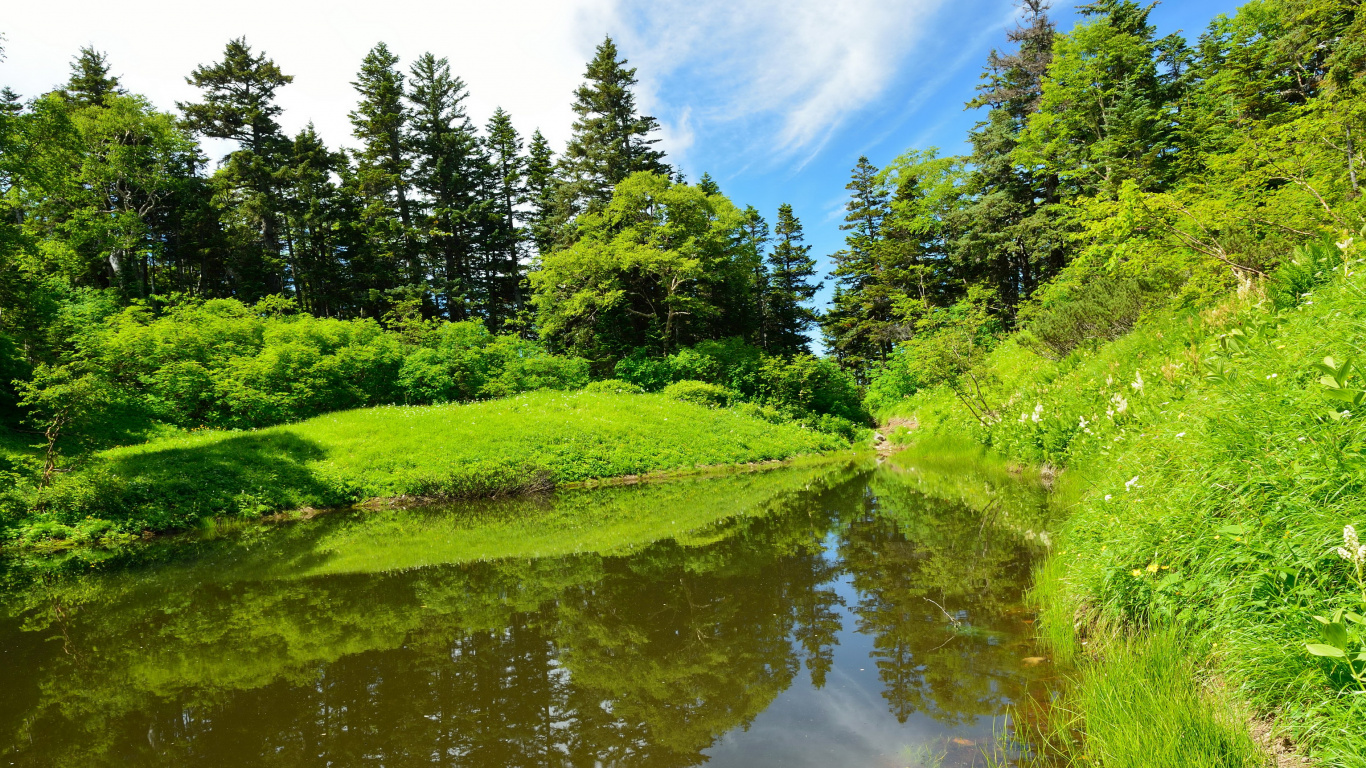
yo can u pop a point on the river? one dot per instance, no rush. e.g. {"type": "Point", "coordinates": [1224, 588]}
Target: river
{"type": "Point", "coordinates": [836, 613]}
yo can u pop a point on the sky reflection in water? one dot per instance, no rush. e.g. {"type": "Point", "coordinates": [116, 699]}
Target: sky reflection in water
{"type": "Point", "coordinates": [790, 617]}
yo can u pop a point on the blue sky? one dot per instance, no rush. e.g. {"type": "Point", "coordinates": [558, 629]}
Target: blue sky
{"type": "Point", "coordinates": [775, 98]}
{"type": "Point", "coordinates": [918, 105]}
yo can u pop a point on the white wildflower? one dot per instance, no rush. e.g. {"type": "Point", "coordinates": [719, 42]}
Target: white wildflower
{"type": "Point", "coordinates": [1043, 536]}
{"type": "Point", "coordinates": [1024, 417]}
{"type": "Point", "coordinates": [1345, 244]}
{"type": "Point", "coordinates": [1180, 435]}
{"type": "Point", "coordinates": [1109, 381]}
{"type": "Point", "coordinates": [1131, 482]}
{"type": "Point", "coordinates": [1082, 423]}
{"type": "Point", "coordinates": [1353, 552]}
{"type": "Point", "coordinates": [1137, 383]}
{"type": "Point", "coordinates": [1108, 497]}
{"type": "Point", "coordinates": [1038, 413]}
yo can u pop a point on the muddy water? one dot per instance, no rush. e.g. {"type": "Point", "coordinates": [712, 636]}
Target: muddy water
{"type": "Point", "coordinates": [826, 615]}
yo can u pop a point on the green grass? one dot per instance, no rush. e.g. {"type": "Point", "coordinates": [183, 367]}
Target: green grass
{"type": "Point", "coordinates": [1143, 706]}
{"type": "Point", "coordinates": [1210, 507]}
{"type": "Point", "coordinates": [529, 442]}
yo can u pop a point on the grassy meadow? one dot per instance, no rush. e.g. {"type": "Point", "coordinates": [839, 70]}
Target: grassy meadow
{"type": "Point", "coordinates": [1212, 461]}
{"type": "Point", "coordinates": [530, 442]}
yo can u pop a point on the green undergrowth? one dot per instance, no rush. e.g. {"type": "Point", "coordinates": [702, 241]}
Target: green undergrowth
{"type": "Point", "coordinates": [530, 442]}
{"type": "Point", "coordinates": [1212, 459]}
{"type": "Point", "coordinates": [1146, 706]}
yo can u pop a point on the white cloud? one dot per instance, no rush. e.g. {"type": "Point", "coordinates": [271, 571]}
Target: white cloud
{"type": "Point", "coordinates": [760, 79]}
{"type": "Point", "coordinates": [779, 75]}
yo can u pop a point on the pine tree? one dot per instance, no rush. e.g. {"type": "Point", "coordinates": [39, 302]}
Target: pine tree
{"type": "Point", "coordinates": [1008, 235]}
{"type": "Point", "coordinates": [239, 99]}
{"type": "Point", "coordinates": [789, 280]}
{"type": "Point", "coordinates": [855, 326]}
{"type": "Point", "coordinates": [707, 184]}
{"type": "Point", "coordinates": [379, 122]}
{"type": "Point", "coordinates": [610, 140]}
{"type": "Point", "coordinates": [508, 193]}
{"type": "Point", "coordinates": [315, 227]}
{"type": "Point", "coordinates": [239, 105]}
{"type": "Point", "coordinates": [10, 102]}
{"type": "Point", "coordinates": [90, 79]}
{"type": "Point", "coordinates": [541, 191]}
{"type": "Point", "coordinates": [448, 171]}
{"type": "Point", "coordinates": [756, 236]}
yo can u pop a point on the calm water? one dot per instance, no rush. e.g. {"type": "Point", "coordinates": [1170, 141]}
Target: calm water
{"type": "Point", "coordinates": [837, 615]}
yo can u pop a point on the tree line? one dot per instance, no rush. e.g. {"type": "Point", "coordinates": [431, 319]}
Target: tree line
{"type": "Point", "coordinates": [428, 213]}
{"type": "Point", "coordinates": [1111, 169]}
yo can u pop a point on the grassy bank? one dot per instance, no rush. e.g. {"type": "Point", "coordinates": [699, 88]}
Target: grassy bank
{"type": "Point", "coordinates": [1212, 462]}
{"type": "Point", "coordinates": [530, 442]}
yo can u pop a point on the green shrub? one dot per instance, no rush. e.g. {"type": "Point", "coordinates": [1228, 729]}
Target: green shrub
{"type": "Point", "coordinates": [1100, 309]}
{"type": "Point", "coordinates": [613, 386]}
{"type": "Point", "coordinates": [222, 363]}
{"type": "Point", "coordinates": [699, 393]}
{"type": "Point", "coordinates": [798, 386]}
{"type": "Point", "coordinates": [1310, 266]}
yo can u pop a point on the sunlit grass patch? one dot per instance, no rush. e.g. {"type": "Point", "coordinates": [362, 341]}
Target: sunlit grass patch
{"type": "Point", "coordinates": [1143, 705]}
{"type": "Point", "coordinates": [529, 442]}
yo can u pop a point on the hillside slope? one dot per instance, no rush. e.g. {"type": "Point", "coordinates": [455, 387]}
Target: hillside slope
{"type": "Point", "coordinates": [1213, 460]}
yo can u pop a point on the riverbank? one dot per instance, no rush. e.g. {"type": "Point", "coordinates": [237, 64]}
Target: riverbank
{"type": "Point", "coordinates": [1212, 462]}
{"type": "Point", "coordinates": [521, 444]}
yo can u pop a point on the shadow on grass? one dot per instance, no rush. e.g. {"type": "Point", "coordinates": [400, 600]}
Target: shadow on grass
{"type": "Point", "coordinates": [249, 475]}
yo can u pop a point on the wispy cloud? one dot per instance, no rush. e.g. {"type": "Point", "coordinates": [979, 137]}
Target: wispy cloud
{"type": "Point", "coordinates": [783, 74]}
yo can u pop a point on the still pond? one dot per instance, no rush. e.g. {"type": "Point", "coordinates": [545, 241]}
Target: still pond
{"type": "Point", "coordinates": [830, 614]}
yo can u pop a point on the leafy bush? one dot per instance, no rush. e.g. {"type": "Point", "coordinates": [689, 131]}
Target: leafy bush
{"type": "Point", "coordinates": [1101, 309]}
{"type": "Point", "coordinates": [797, 386]}
{"type": "Point", "coordinates": [613, 386]}
{"type": "Point", "coordinates": [1310, 266]}
{"type": "Point", "coordinates": [222, 363]}
{"type": "Point", "coordinates": [699, 393]}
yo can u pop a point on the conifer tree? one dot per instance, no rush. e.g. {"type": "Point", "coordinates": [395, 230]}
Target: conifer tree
{"type": "Point", "coordinates": [239, 105]}
{"type": "Point", "coordinates": [540, 191]}
{"type": "Point", "coordinates": [385, 167]}
{"type": "Point", "coordinates": [90, 79]}
{"type": "Point", "coordinates": [610, 140]}
{"type": "Point", "coordinates": [315, 227]}
{"type": "Point", "coordinates": [508, 192]}
{"type": "Point", "coordinates": [239, 99]}
{"type": "Point", "coordinates": [756, 236]}
{"type": "Point", "coordinates": [1008, 234]}
{"type": "Point", "coordinates": [448, 171]}
{"type": "Point", "coordinates": [854, 326]}
{"type": "Point", "coordinates": [789, 286]}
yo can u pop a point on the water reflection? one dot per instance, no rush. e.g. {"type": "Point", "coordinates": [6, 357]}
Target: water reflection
{"type": "Point", "coordinates": [831, 614]}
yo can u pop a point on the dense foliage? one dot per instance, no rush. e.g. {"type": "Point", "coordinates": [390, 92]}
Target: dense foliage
{"type": "Point", "coordinates": [144, 292]}
{"type": "Point", "coordinates": [1196, 214]}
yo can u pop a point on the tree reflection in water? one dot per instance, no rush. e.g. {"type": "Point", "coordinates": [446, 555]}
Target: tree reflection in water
{"type": "Point", "coordinates": [331, 642]}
